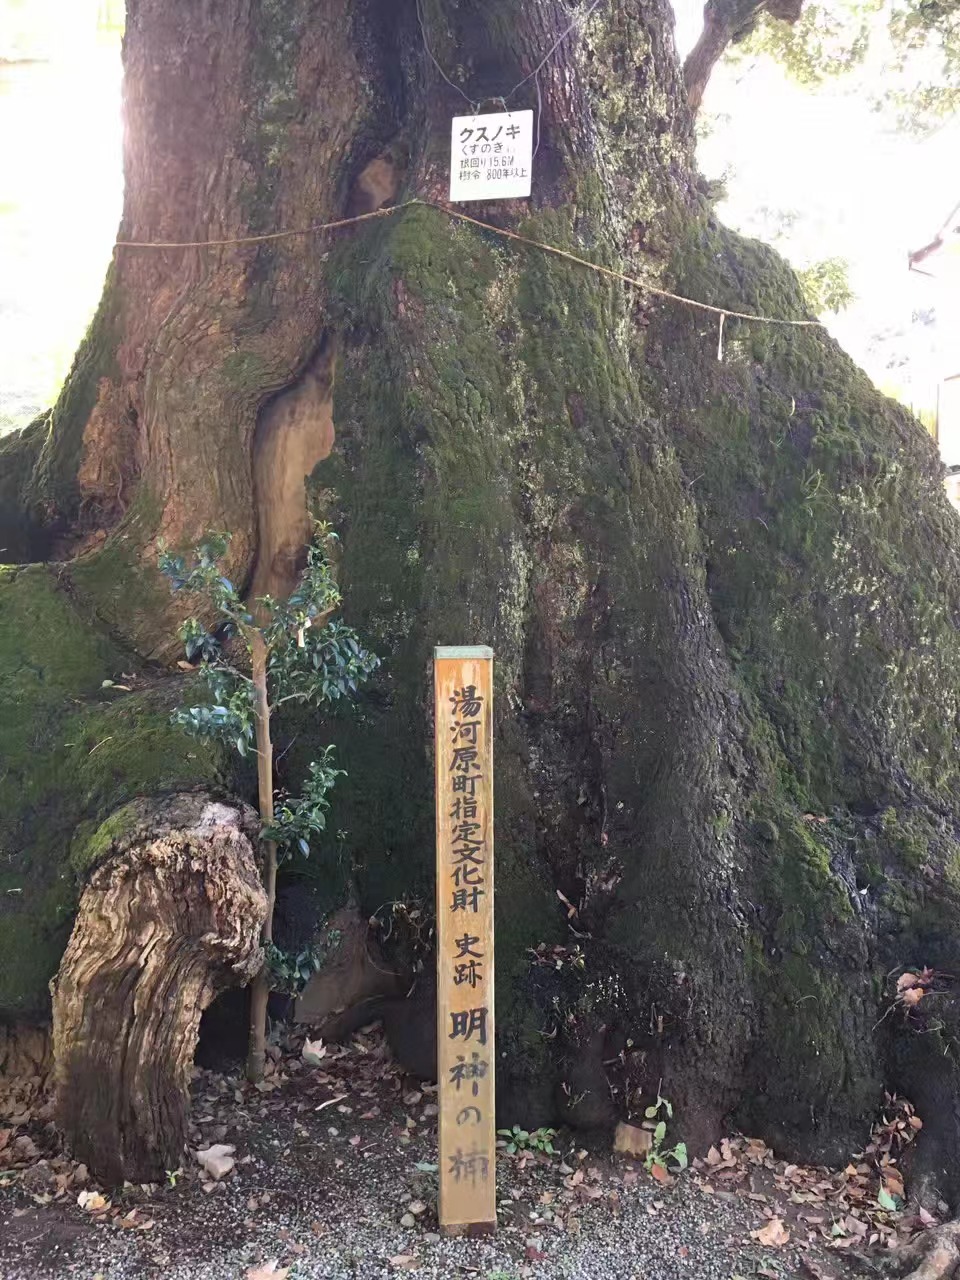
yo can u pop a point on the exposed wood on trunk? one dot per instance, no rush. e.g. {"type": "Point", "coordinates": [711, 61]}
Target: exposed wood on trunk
{"type": "Point", "coordinates": [294, 433]}
{"type": "Point", "coordinates": [168, 919]}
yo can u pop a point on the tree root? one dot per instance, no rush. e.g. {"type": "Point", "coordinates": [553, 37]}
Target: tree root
{"type": "Point", "coordinates": [934, 1255]}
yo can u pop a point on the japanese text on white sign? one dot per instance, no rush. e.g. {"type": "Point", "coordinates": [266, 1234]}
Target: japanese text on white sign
{"type": "Point", "coordinates": [491, 156]}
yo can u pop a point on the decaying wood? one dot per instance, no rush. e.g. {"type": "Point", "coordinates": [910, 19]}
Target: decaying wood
{"type": "Point", "coordinates": [169, 917]}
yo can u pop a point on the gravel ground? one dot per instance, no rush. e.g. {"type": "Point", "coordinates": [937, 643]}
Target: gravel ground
{"type": "Point", "coordinates": [334, 1178]}
{"type": "Point", "coordinates": [687, 1235]}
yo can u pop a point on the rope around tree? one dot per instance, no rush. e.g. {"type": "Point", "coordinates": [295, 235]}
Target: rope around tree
{"type": "Point", "coordinates": [321, 227]}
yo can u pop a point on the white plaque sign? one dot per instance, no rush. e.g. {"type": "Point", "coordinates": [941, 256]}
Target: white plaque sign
{"type": "Point", "coordinates": [491, 156]}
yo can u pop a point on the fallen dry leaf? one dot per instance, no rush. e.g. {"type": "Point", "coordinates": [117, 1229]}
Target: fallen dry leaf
{"type": "Point", "coordinates": [630, 1140]}
{"type": "Point", "coordinates": [92, 1201]}
{"type": "Point", "coordinates": [816, 1269]}
{"type": "Point", "coordinates": [404, 1262]}
{"type": "Point", "coordinates": [660, 1173]}
{"type": "Point", "coordinates": [313, 1052]}
{"type": "Point", "coordinates": [25, 1148]}
{"type": "Point", "coordinates": [773, 1234]}
{"type": "Point", "coordinates": [269, 1271]}
{"type": "Point", "coordinates": [216, 1161]}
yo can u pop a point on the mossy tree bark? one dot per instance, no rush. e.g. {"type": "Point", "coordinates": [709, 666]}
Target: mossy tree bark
{"type": "Point", "coordinates": [723, 596]}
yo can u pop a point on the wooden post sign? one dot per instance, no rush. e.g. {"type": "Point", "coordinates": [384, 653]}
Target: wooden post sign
{"type": "Point", "coordinates": [466, 1063]}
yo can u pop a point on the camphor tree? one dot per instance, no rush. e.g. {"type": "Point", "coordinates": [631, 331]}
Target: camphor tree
{"type": "Point", "coordinates": [297, 654]}
{"type": "Point", "coordinates": [723, 595]}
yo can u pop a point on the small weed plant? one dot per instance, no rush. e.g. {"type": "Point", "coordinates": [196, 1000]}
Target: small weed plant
{"type": "Point", "coordinates": [254, 658]}
{"type": "Point", "coordinates": [660, 1156]}
{"type": "Point", "coordinates": [528, 1140]}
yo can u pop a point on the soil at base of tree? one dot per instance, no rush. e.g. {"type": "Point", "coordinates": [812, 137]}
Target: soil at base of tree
{"type": "Point", "coordinates": [335, 1177]}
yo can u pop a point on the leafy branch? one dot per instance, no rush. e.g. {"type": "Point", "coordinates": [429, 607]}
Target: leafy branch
{"type": "Point", "coordinates": [297, 653]}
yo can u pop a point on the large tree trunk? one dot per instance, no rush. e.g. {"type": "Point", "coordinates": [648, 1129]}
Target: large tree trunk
{"type": "Point", "coordinates": [723, 596]}
{"type": "Point", "coordinates": [169, 918]}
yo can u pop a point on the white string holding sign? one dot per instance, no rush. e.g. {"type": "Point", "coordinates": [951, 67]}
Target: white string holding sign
{"type": "Point", "coordinates": [491, 156]}
{"type": "Point", "coordinates": [478, 174]}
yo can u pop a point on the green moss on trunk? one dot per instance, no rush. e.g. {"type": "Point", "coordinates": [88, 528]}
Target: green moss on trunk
{"type": "Point", "coordinates": [20, 535]}
{"type": "Point", "coordinates": [71, 752]}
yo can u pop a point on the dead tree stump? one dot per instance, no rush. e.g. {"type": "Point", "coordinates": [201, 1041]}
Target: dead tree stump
{"type": "Point", "coordinates": [170, 916]}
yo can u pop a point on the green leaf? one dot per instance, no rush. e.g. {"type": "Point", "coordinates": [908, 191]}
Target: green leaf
{"type": "Point", "coordinates": [651, 1112]}
{"type": "Point", "coordinates": [659, 1133]}
{"type": "Point", "coordinates": [680, 1154]}
{"type": "Point", "coordinates": [886, 1201]}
